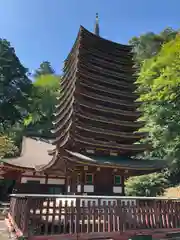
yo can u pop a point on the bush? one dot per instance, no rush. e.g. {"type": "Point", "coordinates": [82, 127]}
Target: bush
{"type": "Point", "coordinates": [149, 185]}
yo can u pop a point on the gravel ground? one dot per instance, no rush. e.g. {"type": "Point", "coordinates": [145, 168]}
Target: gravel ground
{"type": "Point", "coordinates": [4, 235]}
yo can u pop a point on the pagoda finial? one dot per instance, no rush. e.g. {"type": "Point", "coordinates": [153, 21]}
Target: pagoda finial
{"type": "Point", "coordinates": [96, 29]}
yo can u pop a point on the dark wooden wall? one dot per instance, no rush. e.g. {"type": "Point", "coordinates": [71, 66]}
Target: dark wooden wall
{"type": "Point", "coordinates": [33, 188]}
{"type": "Point", "coordinates": [103, 180]}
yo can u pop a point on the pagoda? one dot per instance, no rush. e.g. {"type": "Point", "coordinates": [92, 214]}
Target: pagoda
{"type": "Point", "coordinates": [96, 127]}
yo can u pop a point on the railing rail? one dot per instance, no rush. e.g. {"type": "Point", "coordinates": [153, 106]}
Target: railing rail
{"type": "Point", "coordinates": [18, 195]}
{"type": "Point", "coordinates": [47, 215]}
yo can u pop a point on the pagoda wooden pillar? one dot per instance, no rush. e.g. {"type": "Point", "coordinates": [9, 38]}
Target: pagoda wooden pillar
{"type": "Point", "coordinates": [73, 182]}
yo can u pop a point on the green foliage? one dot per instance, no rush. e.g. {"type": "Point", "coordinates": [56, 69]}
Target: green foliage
{"type": "Point", "coordinates": [159, 76]}
{"type": "Point", "coordinates": [14, 132]}
{"type": "Point", "coordinates": [45, 93]}
{"type": "Point", "coordinates": [15, 87]}
{"type": "Point", "coordinates": [149, 44]}
{"type": "Point", "coordinates": [150, 185]}
{"type": "Point", "coordinates": [7, 147]}
{"type": "Point", "coordinates": [44, 69]}
{"type": "Point", "coordinates": [159, 86]}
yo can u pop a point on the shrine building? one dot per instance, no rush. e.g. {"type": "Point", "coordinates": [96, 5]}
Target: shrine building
{"type": "Point", "coordinates": [96, 137]}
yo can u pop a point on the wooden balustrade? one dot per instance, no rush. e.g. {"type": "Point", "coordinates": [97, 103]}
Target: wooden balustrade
{"type": "Point", "coordinates": [48, 215]}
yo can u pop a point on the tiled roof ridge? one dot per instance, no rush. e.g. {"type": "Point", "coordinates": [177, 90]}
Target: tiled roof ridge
{"type": "Point", "coordinates": [40, 139]}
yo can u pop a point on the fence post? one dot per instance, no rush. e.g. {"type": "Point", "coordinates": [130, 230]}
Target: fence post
{"type": "Point", "coordinates": [12, 206]}
{"type": "Point", "coordinates": [78, 215]}
{"type": "Point", "coordinates": [120, 216]}
{"type": "Point", "coordinates": [25, 228]}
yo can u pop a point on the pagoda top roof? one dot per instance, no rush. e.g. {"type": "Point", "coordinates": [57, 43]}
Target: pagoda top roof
{"type": "Point", "coordinates": [97, 37]}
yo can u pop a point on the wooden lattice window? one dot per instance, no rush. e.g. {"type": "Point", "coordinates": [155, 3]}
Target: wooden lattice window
{"type": "Point", "coordinates": [117, 180]}
{"type": "Point", "coordinates": [89, 178]}
{"type": "Point", "coordinates": [55, 190]}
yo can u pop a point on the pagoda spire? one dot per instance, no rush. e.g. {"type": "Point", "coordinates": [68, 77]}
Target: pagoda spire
{"type": "Point", "coordinates": [96, 28]}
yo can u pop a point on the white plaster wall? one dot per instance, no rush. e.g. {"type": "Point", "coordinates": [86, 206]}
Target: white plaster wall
{"type": "Point", "coordinates": [39, 174]}
{"type": "Point", "coordinates": [79, 188]}
{"type": "Point", "coordinates": [88, 188]}
{"type": "Point", "coordinates": [68, 188]}
{"type": "Point", "coordinates": [28, 173]}
{"type": "Point", "coordinates": [117, 189]}
{"type": "Point", "coordinates": [25, 179]}
{"type": "Point", "coordinates": [56, 181]}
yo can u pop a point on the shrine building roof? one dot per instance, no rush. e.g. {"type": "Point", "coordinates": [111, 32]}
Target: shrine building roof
{"type": "Point", "coordinates": [35, 151]}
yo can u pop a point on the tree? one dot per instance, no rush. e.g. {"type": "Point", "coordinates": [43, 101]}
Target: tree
{"type": "Point", "coordinates": [7, 147]}
{"type": "Point", "coordinates": [44, 69]}
{"type": "Point", "coordinates": [15, 87]}
{"type": "Point", "coordinates": [15, 133]}
{"type": "Point", "coordinates": [45, 92]}
{"type": "Point", "coordinates": [159, 86]}
{"type": "Point", "coordinates": [149, 44]}
{"type": "Point", "coordinates": [150, 185]}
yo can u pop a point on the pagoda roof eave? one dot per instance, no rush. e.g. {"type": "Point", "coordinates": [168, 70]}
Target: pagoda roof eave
{"type": "Point", "coordinates": [118, 162]}
{"type": "Point", "coordinates": [119, 45]}
{"type": "Point", "coordinates": [107, 162]}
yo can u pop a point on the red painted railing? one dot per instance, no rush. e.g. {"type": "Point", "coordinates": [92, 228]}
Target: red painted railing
{"type": "Point", "coordinates": [36, 215]}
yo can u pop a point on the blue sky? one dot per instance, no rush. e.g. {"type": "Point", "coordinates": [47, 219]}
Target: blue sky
{"type": "Point", "coordinates": [46, 29]}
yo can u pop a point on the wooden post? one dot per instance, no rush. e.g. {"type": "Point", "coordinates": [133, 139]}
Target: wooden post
{"type": "Point", "coordinates": [78, 216]}
{"type": "Point", "coordinates": [25, 228]}
{"type": "Point", "coordinates": [74, 183]}
{"type": "Point", "coordinates": [122, 184]}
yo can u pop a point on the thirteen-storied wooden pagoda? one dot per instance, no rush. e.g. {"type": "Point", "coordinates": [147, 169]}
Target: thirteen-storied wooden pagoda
{"type": "Point", "coordinates": [96, 128]}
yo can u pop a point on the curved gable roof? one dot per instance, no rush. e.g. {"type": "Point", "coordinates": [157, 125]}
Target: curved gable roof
{"type": "Point", "coordinates": [35, 151]}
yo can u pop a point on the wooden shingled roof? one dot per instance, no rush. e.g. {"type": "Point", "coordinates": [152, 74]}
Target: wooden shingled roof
{"type": "Point", "coordinates": [118, 161]}
{"type": "Point", "coordinates": [97, 108]}
{"type": "Point", "coordinates": [134, 164]}
{"type": "Point", "coordinates": [97, 105]}
{"type": "Point", "coordinates": [35, 152]}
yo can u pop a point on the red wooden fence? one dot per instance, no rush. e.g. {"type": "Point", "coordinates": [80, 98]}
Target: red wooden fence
{"type": "Point", "coordinates": [50, 215]}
